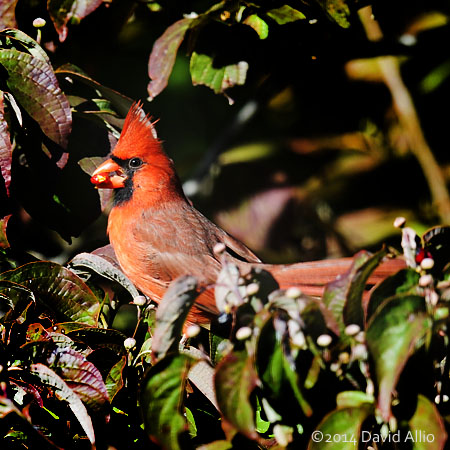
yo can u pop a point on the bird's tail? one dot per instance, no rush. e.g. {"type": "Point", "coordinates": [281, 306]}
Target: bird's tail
{"type": "Point", "coordinates": [312, 277]}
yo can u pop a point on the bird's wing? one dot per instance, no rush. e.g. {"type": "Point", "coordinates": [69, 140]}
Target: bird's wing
{"type": "Point", "coordinates": [177, 242]}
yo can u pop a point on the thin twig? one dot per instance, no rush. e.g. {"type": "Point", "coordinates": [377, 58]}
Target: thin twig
{"type": "Point", "coordinates": [409, 119]}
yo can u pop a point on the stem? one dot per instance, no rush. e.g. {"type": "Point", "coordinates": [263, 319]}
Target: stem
{"type": "Point", "coordinates": [409, 119]}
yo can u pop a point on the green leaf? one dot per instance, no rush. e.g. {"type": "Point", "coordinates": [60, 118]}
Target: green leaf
{"type": "Point", "coordinates": [64, 11]}
{"type": "Point", "coordinates": [426, 419]}
{"type": "Point", "coordinates": [258, 24]}
{"type": "Point", "coordinates": [285, 14]}
{"type": "Point", "coordinates": [337, 10]}
{"type": "Point", "coordinates": [218, 79]}
{"type": "Point", "coordinates": [353, 399]}
{"type": "Point", "coordinates": [392, 336]}
{"type": "Point", "coordinates": [340, 429]}
{"type": "Point", "coordinates": [235, 380]}
{"type": "Point", "coordinates": [19, 40]}
{"type": "Point", "coordinates": [34, 85]}
{"type": "Point", "coordinates": [161, 400]}
{"type": "Point", "coordinates": [275, 371]}
{"type": "Point", "coordinates": [163, 55]}
{"type": "Point", "coordinates": [114, 381]}
{"type": "Point", "coordinates": [191, 422]}
{"type": "Point", "coordinates": [404, 281]}
{"type": "Point", "coordinates": [63, 392]}
{"type": "Point", "coordinates": [171, 314]}
{"type": "Point", "coordinates": [58, 289]}
{"type": "Point", "coordinates": [217, 445]}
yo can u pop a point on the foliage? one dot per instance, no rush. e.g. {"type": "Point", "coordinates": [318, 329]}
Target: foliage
{"type": "Point", "coordinates": [278, 369]}
{"type": "Point", "coordinates": [278, 372]}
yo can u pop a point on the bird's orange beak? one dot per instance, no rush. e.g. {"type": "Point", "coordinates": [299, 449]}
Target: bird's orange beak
{"type": "Point", "coordinates": [108, 175]}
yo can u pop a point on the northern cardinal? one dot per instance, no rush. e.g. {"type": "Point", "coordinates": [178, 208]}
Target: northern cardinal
{"type": "Point", "coordinates": [157, 234]}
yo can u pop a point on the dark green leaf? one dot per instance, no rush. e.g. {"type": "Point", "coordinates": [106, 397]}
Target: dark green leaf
{"type": "Point", "coordinates": [285, 14]}
{"type": "Point", "coordinates": [343, 426]}
{"type": "Point", "coordinates": [427, 419]}
{"type": "Point", "coordinates": [171, 314]}
{"type": "Point", "coordinates": [163, 56]}
{"type": "Point", "coordinates": [218, 79]}
{"type": "Point", "coordinates": [392, 336]}
{"type": "Point", "coordinates": [400, 283]}
{"type": "Point", "coordinates": [58, 289]}
{"type": "Point", "coordinates": [275, 370]}
{"type": "Point", "coordinates": [161, 400]}
{"type": "Point", "coordinates": [235, 380]}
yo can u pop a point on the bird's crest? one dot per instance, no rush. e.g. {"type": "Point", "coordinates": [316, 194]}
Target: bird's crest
{"type": "Point", "coordinates": [138, 134]}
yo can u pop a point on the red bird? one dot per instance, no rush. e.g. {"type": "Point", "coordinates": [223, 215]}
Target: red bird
{"type": "Point", "coordinates": [158, 235]}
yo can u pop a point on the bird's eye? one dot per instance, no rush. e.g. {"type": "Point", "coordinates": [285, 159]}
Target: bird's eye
{"type": "Point", "coordinates": [134, 163]}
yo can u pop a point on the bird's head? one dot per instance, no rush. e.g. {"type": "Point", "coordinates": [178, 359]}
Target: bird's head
{"type": "Point", "coordinates": [138, 164]}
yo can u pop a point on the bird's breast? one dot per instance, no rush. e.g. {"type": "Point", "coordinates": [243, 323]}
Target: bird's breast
{"type": "Point", "coordinates": [137, 258]}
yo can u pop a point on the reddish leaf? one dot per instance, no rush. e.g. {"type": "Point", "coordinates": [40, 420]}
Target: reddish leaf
{"type": "Point", "coordinates": [5, 149]}
{"type": "Point", "coordinates": [80, 375]}
{"type": "Point", "coordinates": [64, 11]}
{"type": "Point", "coordinates": [163, 56]}
{"type": "Point", "coordinates": [63, 392]}
{"type": "Point", "coordinates": [35, 86]}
